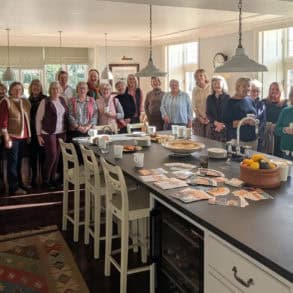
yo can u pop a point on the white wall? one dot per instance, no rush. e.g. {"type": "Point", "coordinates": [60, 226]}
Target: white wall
{"type": "Point", "coordinates": [140, 56]}
{"type": "Point", "coordinates": [226, 44]}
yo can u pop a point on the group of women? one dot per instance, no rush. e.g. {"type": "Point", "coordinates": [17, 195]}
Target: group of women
{"type": "Point", "coordinates": [41, 120]}
{"type": "Point", "coordinates": [218, 114]}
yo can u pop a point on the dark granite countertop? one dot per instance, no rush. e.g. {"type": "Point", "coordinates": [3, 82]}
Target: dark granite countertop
{"type": "Point", "coordinates": [263, 230]}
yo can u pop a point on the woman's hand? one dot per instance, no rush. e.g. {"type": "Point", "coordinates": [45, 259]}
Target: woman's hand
{"type": "Point", "coordinates": [166, 119]}
{"type": "Point", "coordinates": [7, 143]}
{"type": "Point", "coordinates": [41, 140]}
{"type": "Point", "coordinates": [288, 130]}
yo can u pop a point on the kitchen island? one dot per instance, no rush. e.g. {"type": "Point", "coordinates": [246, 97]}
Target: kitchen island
{"type": "Point", "coordinates": [255, 242]}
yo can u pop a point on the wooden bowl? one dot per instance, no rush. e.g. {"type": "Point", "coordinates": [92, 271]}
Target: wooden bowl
{"type": "Point", "coordinates": [262, 178]}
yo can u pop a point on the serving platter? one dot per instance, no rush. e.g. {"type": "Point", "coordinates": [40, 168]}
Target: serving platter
{"type": "Point", "coordinates": [183, 146]}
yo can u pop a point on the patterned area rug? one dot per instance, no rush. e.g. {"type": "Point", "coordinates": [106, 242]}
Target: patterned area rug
{"type": "Point", "coordinates": [38, 261]}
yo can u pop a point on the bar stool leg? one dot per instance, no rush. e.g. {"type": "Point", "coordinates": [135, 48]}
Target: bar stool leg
{"type": "Point", "coordinates": [124, 255]}
{"type": "Point", "coordinates": [108, 244]}
{"type": "Point", "coordinates": [97, 226]}
{"type": "Point", "coordinates": [134, 235]}
{"type": "Point", "coordinates": [65, 205]}
{"type": "Point", "coordinates": [142, 239]}
{"type": "Point", "coordinates": [87, 216]}
{"type": "Point", "coordinates": [76, 212]}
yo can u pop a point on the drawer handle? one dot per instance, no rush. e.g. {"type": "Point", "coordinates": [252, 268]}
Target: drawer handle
{"type": "Point", "coordinates": [246, 284]}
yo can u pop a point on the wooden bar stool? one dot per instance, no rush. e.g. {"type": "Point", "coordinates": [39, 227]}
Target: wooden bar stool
{"type": "Point", "coordinates": [94, 191]}
{"type": "Point", "coordinates": [74, 174]}
{"type": "Point", "coordinates": [127, 207]}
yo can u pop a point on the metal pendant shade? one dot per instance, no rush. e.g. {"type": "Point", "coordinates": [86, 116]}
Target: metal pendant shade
{"type": "Point", "coordinates": [8, 74]}
{"type": "Point", "coordinates": [106, 73]}
{"type": "Point", "coordinates": [240, 62]}
{"type": "Point", "coordinates": [150, 69]}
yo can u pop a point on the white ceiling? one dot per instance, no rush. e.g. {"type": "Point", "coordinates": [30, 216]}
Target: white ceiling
{"type": "Point", "coordinates": [84, 22]}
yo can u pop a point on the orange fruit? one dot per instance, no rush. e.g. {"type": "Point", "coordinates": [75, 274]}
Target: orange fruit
{"type": "Point", "coordinates": [254, 165]}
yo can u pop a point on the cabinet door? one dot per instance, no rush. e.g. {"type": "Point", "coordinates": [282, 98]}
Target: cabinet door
{"type": "Point", "coordinates": [215, 284]}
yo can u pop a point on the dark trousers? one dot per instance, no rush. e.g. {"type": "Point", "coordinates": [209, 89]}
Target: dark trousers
{"type": "Point", "coordinates": [14, 159]}
{"type": "Point", "coordinates": [37, 157]}
{"type": "Point", "coordinates": [52, 155]}
{"type": "Point", "coordinates": [2, 187]}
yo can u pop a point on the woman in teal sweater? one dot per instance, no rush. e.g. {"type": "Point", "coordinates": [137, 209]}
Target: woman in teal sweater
{"type": "Point", "coordinates": [284, 130]}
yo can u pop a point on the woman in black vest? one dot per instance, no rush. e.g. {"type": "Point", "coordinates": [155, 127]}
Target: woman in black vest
{"type": "Point", "coordinates": [36, 151]}
{"type": "Point", "coordinates": [51, 124]}
{"type": "Point", "coordinates": [136, 93]}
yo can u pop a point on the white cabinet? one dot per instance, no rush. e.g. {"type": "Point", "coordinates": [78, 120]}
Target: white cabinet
{"type": "Point", "coordinates": [217, 284]}
{"type": "Point", "coordinates": [236, 269]}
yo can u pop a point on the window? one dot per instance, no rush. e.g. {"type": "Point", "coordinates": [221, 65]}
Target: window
{"type": "Point", "coordinates": [290, 41]}
{"type": "Point", "coordinates": [182, 62]}
{"type": "Point", "coordinates": [76, 72]}
{"type": "Point", "coordinates": [26, 77]}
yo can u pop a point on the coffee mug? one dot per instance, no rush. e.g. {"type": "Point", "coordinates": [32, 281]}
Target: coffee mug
{"type": "Point", "coordinates": [291, 125]}
{"type": "Point", "coordinates": [118, 151]}
{"type": "Point", "coordinates": [188, 132]}
{"type": "Point", "coordinates": [138, 159]}
{"type": "Point", "coordinates": [174, 129]}
{"type": "Point", "coordinates": [181, 131]}
{"type": "Point", "coordinates": [93, 132]}
{"type": "Point", "coordinates": [152, 130]}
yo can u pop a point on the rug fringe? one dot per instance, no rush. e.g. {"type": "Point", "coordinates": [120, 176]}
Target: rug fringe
{"type": "Point", "coordinates": [28, 232]}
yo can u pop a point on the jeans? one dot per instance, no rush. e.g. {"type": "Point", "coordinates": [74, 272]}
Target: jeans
{"type": "Point", "coordinates": [14, 158]}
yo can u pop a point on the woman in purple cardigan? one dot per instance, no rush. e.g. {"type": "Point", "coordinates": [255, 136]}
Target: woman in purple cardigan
{"type": "Point", "coordinates": [51, 124]}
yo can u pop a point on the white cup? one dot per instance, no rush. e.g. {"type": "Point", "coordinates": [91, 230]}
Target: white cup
{"type": "Point", "coordinates": [138, 159]}
{"type": "Point", "coordinates": [284, 170]}
{"type": "Point", "coordinates": [181, 131]}
{"type": "Point", "coordinates": [188, 132]}
{"type": "Point", "coordinates": [92, 132]}
{"type": "Point", "coordinates": [174, 129]}
{"type": "Point", "coordinates": [291, 125]}
{"type": "Point", "coordinates": [103, 141]}
{"type": "Point", "coordinates": [118, 151]}
{"type": "Point", "coordinates": [152, 130]}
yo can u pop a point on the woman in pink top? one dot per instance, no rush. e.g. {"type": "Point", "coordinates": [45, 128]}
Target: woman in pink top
{"type": "Point", "coordinates": [109, 108]}
{"type": "Point", "coordinates": [136, 93]}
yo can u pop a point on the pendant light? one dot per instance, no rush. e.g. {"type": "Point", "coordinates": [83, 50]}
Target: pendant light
{"type": "Point", "coordinates": [8, 74]}
{"type": "Point", "coordinates": [60, 50]}
{"type": "Point", "coordinates": [151, 69]}
{"type": "Point", "coordinates": [106, 73]}
{"type": "Point", "coordinates": [240, 62]}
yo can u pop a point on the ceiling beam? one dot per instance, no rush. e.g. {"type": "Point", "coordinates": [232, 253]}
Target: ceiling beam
{"type": "Point", "coordinates": [275, 7]}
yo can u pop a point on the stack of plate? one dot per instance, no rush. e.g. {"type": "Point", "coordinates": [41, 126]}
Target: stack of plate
{"type": "Point", "coordinates": [217, 153]}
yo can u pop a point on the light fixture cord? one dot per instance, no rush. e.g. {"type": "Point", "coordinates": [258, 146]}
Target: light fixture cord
{"type": "Point", "coordinates": [151, 28]}
{"type": "Point", "coordinates": [240, 24]}
{"type": "Point", "coordinates": [60, 48]}
{"type": "Point", "coordinates": [106, 53]}
{"type": "Point", "coordinates": [8, 47]}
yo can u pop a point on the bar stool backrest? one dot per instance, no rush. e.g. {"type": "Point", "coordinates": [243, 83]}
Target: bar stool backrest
{"type": "Point", "coordinates": [91, 166]}
{"type": "Point", "coordinates": [115, 183]}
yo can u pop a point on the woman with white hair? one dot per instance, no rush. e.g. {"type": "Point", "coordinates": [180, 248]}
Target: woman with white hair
{"type": "Point", "coordinates": [216, 103]}
{"type": "Point", "coordinates": [237, 108]}
{"type": "Point", "coordinates": [51, 124]}
{"type": "Point", "coordinates": [109, 108]}
{"type": "Point", "coordinates": [260, 108]}
{"type": "Point", "coordinates": [176, 107]}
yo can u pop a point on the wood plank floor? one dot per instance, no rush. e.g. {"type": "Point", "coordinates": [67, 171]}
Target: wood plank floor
{"type": "Point", "coordinates": [18, 213]}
